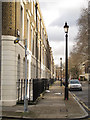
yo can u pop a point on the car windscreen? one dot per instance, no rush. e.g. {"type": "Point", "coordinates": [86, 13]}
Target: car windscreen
{"type": "Point", "coordinates": [74, 82]}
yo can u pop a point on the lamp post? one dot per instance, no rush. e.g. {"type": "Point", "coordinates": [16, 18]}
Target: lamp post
{"type": "Point", "coordinates": [66, 27]}
{"type": "Point", "coordinates": [25, 97]}
{"type": "Point", "coordinates": [61, 70]}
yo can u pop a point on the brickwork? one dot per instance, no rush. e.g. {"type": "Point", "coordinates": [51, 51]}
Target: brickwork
{"type": "Point", "coordinates": [17, 17]}
{"type": "Point", "coordinates": [8, 18]}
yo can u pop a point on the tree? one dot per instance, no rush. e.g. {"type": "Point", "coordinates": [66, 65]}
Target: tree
{"type": "Point", "coordinates": [82, 36]}
{"type": "Point", "coordinates": [80, 50]}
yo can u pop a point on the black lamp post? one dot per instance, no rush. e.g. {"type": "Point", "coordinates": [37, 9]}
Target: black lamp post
{"type": "Point", "coordinates": [66, 27]}
{"type": "Point", "coordinates": [61, 70]}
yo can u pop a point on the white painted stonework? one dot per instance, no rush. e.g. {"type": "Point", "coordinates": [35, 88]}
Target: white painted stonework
{"type": "Point", "coordinates": [10, 69]}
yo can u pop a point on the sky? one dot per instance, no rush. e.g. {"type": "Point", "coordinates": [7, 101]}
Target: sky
{"type": "Point", "coordinates": [55, 13]}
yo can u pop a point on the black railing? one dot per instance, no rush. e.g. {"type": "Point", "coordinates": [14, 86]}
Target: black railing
{"type": "Point", "coordinates": [21, 89]}
{"type": "Point", "coordinates": [51, 81]}
{"type": "Point", "coordinates": [39, 86]}
{"type": "Point", "coordinates": [34, 88]}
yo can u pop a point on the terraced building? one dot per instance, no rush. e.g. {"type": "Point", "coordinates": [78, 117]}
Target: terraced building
{"type": "Point", "coordinates": [23, 20]}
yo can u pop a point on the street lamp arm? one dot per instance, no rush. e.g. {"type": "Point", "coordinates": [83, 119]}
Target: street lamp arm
{"type": "Point", "coordinates": [17, 40]}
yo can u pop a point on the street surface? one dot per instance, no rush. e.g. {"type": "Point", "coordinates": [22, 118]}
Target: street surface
{"type": "Point", "coordinates": [84, 95]}
{"type": "Point", "coordinates": [51, 106]}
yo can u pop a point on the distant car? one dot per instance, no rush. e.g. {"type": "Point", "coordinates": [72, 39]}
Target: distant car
{"type": "Point", "coordinates": [74, 84]}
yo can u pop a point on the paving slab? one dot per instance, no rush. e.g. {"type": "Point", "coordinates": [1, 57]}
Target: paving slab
{"type": "Point", "coordinates": [51, 106]}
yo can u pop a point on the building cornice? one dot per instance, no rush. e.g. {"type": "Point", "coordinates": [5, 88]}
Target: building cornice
{"type": "Point", "coordinates": [8, 37]}
{"type": "Point", "coordinates": [11, 38]}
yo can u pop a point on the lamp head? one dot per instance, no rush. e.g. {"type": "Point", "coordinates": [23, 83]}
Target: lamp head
{"type": "Point", "coordinates": [60, 58]}
{"type": "Point", "coordinates": [16, 41]}
{"type": "Point", "coordinates": [66, 27]}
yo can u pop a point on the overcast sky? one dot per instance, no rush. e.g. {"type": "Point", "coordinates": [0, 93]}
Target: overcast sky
{"type": "Point", "coordinates": [55, 13]}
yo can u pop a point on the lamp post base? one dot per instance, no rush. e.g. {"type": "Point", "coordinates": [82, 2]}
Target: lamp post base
{"type": "Point", "coordinates": [61, 83]}
{"type": "Point", "coordinates": [66, 93]}
{"type": "Point", "coordinates": [25, 104]}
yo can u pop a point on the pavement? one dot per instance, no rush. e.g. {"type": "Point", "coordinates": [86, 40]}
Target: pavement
{"type": "Point", "coordinates": [51, 106]}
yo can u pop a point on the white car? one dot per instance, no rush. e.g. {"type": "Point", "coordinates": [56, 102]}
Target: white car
{"type": "Point", "coordinates": [74, 84]}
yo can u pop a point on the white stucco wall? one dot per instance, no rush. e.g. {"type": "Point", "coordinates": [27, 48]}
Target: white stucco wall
{"type": "Point", "coordinates": [9, 73]}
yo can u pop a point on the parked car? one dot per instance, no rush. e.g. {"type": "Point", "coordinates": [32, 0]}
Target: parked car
{"type": "Point", "coordinates": [74, 84]}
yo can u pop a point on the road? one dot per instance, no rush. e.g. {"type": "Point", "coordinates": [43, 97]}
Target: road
{"type": "Point", "coordinates": [83, 96]}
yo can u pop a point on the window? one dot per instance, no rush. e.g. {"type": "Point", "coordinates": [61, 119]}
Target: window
{"type": "Point", "coordinates": [22, 22]}
{"type": "Point", "coordinates": [43, 33]}
{"type": "Point", "coordinates": [27, 33]}
{"type": "Point", "coordinates": [23, 68]}
{"type": "Point", "coordinates": [31, 40]}
{"type": "Point", "coordinates": [40, 28]}
{"type": "Point", "coordinates": [33, 47]}
{"type": "Point", "coordinates": [32, 6]}
{"type": "Point", "coordinates": [34, 13]}
{"type": "Point", "coordinates": [18, 67]}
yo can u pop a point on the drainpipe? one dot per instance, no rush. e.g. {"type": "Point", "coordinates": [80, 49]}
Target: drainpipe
{"type": "Point", "coordinates": [40, 48]}
{"type": "Point", "coordinates": [36, 6]}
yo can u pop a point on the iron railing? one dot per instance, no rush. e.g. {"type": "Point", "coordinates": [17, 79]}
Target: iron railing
{"type": "Point", "coordinates": [34, 88]}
